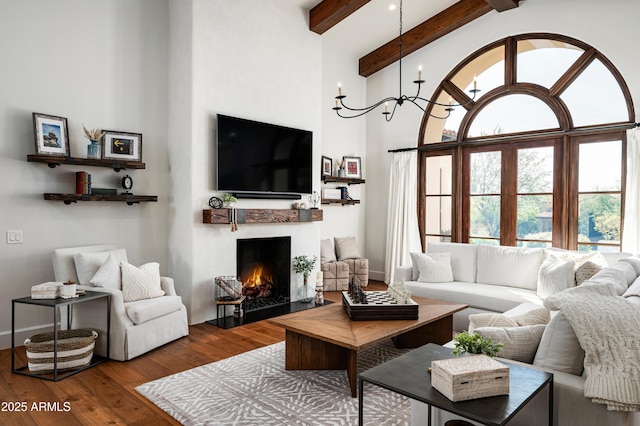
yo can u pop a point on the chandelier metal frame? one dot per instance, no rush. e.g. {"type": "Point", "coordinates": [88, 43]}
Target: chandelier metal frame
{"type": "Point", "coordinates": [401, 99]}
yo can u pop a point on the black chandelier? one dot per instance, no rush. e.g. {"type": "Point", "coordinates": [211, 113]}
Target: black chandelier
{"type": "Point", "coordinates": [389, 110]}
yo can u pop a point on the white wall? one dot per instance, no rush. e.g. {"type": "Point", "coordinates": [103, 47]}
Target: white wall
{"type": "Point", "coordinates": [255, 60]}
{"type": "Point", "coordinates": [610, 27]}
{"type": "Point", "coordinates": [101, 63]}
{"type": "Point", "coordinates": [344, 137]}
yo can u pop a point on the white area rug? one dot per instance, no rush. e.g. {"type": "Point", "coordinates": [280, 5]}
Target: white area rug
{"type": "Point", "coordinates": [254, 389]}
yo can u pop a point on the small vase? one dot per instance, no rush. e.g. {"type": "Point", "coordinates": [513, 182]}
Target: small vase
{"type": "Point", "coordinates": [93, 149]}
{"type": "Point", "coordinates": [307, 294]}
{"type": "Point", "coordinates": [342, 172]}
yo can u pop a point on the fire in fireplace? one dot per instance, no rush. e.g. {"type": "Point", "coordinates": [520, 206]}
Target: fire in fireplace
{"type": "Point", "coordinates": [264, 267]}
{"type": "Point", "coordinates": [258, 284]}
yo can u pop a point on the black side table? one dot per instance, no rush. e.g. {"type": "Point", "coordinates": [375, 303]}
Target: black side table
{"type": "Point", "coordinates": [55, 304]}
{"type": "Point", "coordinates": [408, 375]}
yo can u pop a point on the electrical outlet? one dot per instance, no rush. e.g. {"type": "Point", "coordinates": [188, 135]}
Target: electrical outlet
{"type": "Point", "coordinates": [14, 237]}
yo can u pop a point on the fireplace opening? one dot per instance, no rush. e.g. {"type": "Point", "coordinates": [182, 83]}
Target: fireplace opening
{"type": "Point", "coordinates": [264, 268]}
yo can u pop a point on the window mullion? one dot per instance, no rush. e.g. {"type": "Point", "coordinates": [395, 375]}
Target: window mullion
{"type": "Point", "coordinates": [509, 197]}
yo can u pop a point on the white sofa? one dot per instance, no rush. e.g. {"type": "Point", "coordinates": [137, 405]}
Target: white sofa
{"type": "Point", "coordinates": [137, 326]}
{"type": "Point", "coordinates": [505, 280]}
{"type": "Point", "coordinates": [486, 278]}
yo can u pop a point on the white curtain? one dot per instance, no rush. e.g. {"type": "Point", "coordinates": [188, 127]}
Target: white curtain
{"type": "Point", "coordinates": [631, 236]}
{"type": "Point", "coordinates": [403, 235]}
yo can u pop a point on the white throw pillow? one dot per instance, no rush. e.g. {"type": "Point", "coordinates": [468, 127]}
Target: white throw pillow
{"type": "Point", "coordinates": [141, 283]}
{"type": "Point", "coordinates": [554, 276]}
{"type": "Point", "coordinates": [346, 248]}
{"type": "Point", "coordinates": [559, 347]}
{"type": "Point", "coordinates": [108, 276]}
{"type": "Point", "coordinates": [327, 253]}
{"type": "Point", "coordinates": [520, 343]}
{"type": "Point", "coordinates": [463, 259]}
{"type": "Point", "coordinates": [509, 266]}
{"type": "Point", "coordinates": [633, 261]}
{"type": "Point", "coordinates": [634, 289]}
{"type": "Point", "coordinates": [489, 320]}
{"type": "Point", "coordinates": [533, 317]}
{"type": "Point", "coordinates": [87, 264]}
{"type": "Point", "coordinates": [433, 267]}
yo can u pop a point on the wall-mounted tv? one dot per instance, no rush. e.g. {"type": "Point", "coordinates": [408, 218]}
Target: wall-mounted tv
{"type": "Point", "coordinates": [261, 160]}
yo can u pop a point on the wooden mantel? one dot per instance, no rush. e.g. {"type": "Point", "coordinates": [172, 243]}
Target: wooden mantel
{"type": "Point", "coordinates": [223, 216]}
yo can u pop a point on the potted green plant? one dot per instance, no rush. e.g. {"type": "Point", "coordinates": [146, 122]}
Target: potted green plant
{"type": "Point", "coordinates": [474, 344]}
{"type": "Point", "coordinates": [304, 265]}
{"type": "Point", "coordinates": [228, 199]}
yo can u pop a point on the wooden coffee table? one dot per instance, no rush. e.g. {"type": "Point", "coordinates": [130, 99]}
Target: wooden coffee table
{"type": "Point", "coordinates": [324, 338]}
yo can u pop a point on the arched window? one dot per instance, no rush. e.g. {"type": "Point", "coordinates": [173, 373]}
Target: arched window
{"type": "Point", "coordinates": [538, 158]}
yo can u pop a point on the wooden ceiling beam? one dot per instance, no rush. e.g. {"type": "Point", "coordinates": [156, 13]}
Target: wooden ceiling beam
{"type": "Point", "coordinates": [432, 29]}
{"type": "Point", "coordinates": [328, 13]}
{"type": "Point", "coordinates": [502, 5]}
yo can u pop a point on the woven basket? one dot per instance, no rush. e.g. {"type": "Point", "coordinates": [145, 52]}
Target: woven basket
{"type": "Point", "coordinates": [75, 350]}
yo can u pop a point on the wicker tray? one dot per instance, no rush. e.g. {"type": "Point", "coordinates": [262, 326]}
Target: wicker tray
{"type": "Point", "coordinates": [75, 350]}
{"type": "Point", "coordinates": [380, 307]}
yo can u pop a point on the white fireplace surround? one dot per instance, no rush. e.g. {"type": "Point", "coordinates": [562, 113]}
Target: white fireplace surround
{"type": "Point", "coordinates": [215, 254]}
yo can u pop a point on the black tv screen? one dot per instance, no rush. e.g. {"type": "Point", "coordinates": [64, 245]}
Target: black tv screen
{"type": "Point", "coordinates": [262, 158]}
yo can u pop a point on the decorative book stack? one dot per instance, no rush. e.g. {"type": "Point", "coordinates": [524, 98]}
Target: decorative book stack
{"type": "Point", "coordinates": [83, 183]}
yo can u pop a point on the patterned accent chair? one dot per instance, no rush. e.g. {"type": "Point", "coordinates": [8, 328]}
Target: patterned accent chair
{"type": "Point", "coordinates": [342, 264]}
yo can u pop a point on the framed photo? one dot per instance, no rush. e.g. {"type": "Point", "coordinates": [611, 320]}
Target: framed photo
{"type": "Point", "coordinates": [51, 135]}
{"type": "Point", "coordinates": [122, 146]}
{"type": "Point", "coordinates": [327, 166]}
{"type": "Point", "coordinates": [353, 167]}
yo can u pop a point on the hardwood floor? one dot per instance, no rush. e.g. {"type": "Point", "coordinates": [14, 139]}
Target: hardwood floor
{"type": "Point", "coordinates": [105, 394]}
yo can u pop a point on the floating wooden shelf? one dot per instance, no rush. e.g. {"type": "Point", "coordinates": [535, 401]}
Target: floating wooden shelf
{"type": "Point", "coordinates": [348, 181]}
{"type": "Point", "coordinates": [343, 202]}
{"type": "Point", "coordinates": [54, 161]}
{"type": "Point", "coordinates": [126, 198]}
{"type": "Point", "coordinates": [223, 216]}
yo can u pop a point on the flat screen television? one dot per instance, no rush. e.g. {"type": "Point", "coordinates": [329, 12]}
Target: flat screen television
{"type": "Point", "coordinates": [261, 160]}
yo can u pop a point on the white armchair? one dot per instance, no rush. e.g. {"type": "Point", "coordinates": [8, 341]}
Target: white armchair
{"type": "Point", "coordinates": [136, 327]}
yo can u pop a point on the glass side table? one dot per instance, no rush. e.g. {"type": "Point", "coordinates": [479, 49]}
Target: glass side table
{"type": "Point", "coordinates": [55, 304]}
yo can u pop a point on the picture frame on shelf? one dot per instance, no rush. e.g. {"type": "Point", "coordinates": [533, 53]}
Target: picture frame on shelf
{"type": "Point", "coordinates": [327, 166]}
{"type": "Point", "coordinates": [122, 146]}
{"type": "Point", "coordinates": [353, 167]}
{"type": "Point", "coordinates": [51, 135]}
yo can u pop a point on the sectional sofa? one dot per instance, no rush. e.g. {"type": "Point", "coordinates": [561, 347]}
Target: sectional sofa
{"type": "Point", "coordinates": [505, 287]}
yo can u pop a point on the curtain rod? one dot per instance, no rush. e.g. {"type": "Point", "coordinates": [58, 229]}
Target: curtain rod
{"type": "Point", "coordinates": [528, 136]}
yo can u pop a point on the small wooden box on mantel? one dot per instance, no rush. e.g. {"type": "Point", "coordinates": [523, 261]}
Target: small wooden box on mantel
{"type": "Point", "coordinates": [470, 377]}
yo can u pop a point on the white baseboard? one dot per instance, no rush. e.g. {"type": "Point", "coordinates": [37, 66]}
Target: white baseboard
{"type": "Point", "coordinates": [22, 334]}
{"type": "Point", "coordinates": [376, 275]}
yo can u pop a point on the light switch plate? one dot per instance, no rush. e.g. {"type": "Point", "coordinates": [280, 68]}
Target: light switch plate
{"type": "Point", "coordinates": [14, 237]}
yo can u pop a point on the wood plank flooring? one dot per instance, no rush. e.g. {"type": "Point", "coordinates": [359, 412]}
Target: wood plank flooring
{"type": "Point", "coordinates": [105, 394]}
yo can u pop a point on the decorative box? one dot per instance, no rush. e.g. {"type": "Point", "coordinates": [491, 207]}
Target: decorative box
{"type": "Point", "coordinates": [331, 194]}
{"type": "Point", "coordinates": [50, 290]}
{"type": "Point", "coordinates": [470, 377]}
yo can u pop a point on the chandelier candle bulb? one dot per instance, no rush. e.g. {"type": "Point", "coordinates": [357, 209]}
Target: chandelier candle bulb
{"type": "Point", "coordinates": [420, 72]}
{"type": "Point", "coordinates": [475, 82]}
{"type": "Point", "coordinates": [339, 89]}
